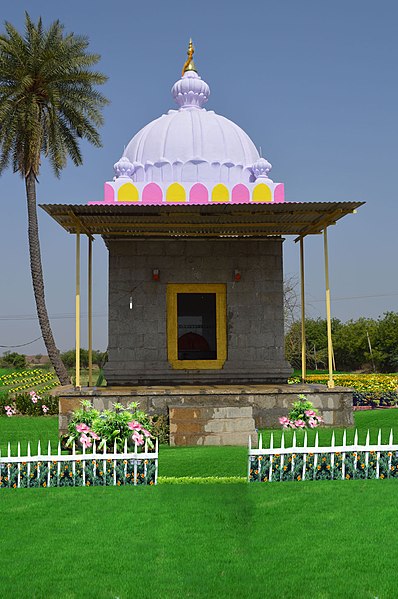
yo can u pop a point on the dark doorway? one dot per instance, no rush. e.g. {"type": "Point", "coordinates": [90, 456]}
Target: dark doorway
{"type": "Point", "coordinates": [196, 321]}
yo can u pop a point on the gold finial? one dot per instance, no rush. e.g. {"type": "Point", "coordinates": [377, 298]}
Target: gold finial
{"type": "Point", "coordinates": [189, 64]}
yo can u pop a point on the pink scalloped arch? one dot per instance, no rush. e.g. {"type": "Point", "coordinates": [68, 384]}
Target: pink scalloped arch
{"type": "Point", "coordinates": [240, 194]}
{"type": "Point", "coordinates": [279, 193]}
{"type": "Point", "coordinates": [109, 193]}
{"type": "Point", "coordinates": [152, 194]}
{"type": "Point", "coordinates": [198, 194]}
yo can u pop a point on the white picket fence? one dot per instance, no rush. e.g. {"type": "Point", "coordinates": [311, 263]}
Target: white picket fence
{"type": "Point", "coordinates": [83, 469]}
{"type": "Point", "coordinates": [366, 457]}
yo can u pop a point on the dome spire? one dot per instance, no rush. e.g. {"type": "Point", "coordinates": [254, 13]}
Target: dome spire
{"type": "Point", "coordinates": [189, 63]}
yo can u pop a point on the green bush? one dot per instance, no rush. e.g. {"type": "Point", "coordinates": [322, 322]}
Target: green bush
{"type": "Point", "coordinates": [12, 360]}
{"type": "Point", "coordinates": [4, 401]}
{"type": "Point", "coordinates": [24, 405]}
{"type": "Point", "coordinates": [160, 428]}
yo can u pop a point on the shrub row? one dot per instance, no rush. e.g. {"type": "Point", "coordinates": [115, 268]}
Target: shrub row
{"type": "Point", "coordinates": [22, 403]}
{"type": "Point", "coordinates": [375, 399]}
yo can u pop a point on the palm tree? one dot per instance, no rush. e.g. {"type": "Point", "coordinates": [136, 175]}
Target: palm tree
{"type": "Point", "coordinates": [48, 101]}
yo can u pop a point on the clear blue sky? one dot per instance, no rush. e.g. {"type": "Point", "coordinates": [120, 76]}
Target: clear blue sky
{"type": "Point", "coordinates": [314, 83]}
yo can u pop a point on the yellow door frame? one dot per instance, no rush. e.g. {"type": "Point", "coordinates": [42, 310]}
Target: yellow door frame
{"type": "Point", "coordinates": [172, 325]}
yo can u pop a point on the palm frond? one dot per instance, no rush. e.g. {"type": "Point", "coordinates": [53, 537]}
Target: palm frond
{"type": "Point", "coordinates": [48, 96]}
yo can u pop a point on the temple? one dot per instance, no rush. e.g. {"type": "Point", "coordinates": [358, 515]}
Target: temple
{"type": "Point", "coordinates": [194, 226]}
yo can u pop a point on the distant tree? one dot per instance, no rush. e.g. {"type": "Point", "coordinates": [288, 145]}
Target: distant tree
{"type": "Point", "coordinates": [352, 343]}
{"type": "Point", "coordinates": [13, 360]}
{"type": "Point", "coordinates": [385, 343]}
{"type": "Point", "coordinates": [69, 357]}
{"type": "Point", "coordinates": [48, 101]}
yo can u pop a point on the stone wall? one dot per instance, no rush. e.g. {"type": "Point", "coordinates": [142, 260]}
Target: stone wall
{"type": "Point", "coordinates": [267, 401]}
{"type": "Point", "coordinates": [211, 425]}
{"type": "Point", "coordinates": [137, 337]}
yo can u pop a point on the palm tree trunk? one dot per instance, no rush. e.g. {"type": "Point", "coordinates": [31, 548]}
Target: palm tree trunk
{"type": "Point", "coordinates": [38, 283]}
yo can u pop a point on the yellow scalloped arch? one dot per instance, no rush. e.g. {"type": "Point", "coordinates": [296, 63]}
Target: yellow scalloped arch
{"type": "Point", "coordinates": [262, 193]}
{"type": "Point", "coordinates": [220, 193]}
{"type": "Point", "coordinates": [176, 193]}
{"type": "Point", "coordinates": [128, 193]}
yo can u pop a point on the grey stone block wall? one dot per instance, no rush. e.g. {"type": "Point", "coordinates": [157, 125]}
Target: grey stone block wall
{"type": "Point", "coordinates": [268, 402]}
{"type": "Point", "coordinates": [255, 330]}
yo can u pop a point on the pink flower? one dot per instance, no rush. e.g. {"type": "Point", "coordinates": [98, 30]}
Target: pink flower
{"type": "Point", "coordinates": [284, 421]}
{"type": "Point", "coordinates": [44, 408]}
{"type": "Point", "coordinates": [34, 397]}
{"type": "Point", "coordinates": [320, 419]}
{"type": "Point", "coordinates": [291, 424]}
{"type": "Point", "coordinates": [82, 428]}
{"type": "Point", "coordinates": [313, 422]}
{"type": "Point", "coordinates": [94, 436]}
{"type": "Point", "coordinates": [134, 425]}
{"type": "Point", "coordinates": [137, 438]}
{"type": "Point", "coordinates": [310, 413]}
{"type": "Point", "coordinates": [9, 410]}
{"type": "Point", "coordinates": [146, 433]}
{"type": "Point", "coordinates": [85, 441]}
{"type": "Point", "coordinates": [299, 423]}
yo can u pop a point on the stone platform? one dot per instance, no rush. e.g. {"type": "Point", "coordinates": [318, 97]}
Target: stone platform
{"type": "Point", "coordinates": [211, 425]}
{"type": "Point", "coordinates": [268, 402]}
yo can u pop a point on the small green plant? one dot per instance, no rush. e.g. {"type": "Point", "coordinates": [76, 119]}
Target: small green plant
{"type": "Point", "coordinates": [109, 426]}
{"type": "Point", "coordinates": [302, 415]}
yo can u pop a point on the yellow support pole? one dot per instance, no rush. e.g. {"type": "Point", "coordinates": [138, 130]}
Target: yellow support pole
{"type": "Point", "coordinates": [328, 318]}
{"type": "Point", "coordinates": [77, 311]}
{"type": "Point", "coordinates": [90, 311]}
{"type": "Point", "coordinates": [303, 337]}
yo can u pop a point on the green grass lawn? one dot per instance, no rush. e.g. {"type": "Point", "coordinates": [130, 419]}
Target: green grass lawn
{"type": "Point", "coordinates": [311, 540]}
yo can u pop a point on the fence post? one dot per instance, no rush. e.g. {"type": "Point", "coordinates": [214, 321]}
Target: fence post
{"type": "Point", "coordinates": [38, 461]}
{"type": "Point", "coordinates": [114, 464]}
{"type": "Point", "coordinates": [378, 454]}
{"type": "Point", "coordinates": [156, 460]}
{"type": "Point", "coordinates": [367, 443]}
{"type": "Point", "coordinates": [74, 463]}
{"type": "Point", "coordinates": [28, 468]}
{"type": "Point", "coordinates": [19, 466]}
{"type": "Point", "coordinates": [305, 454]}
{"type": "Point", "coordinates": [135, 463]}
{"type": "Point", "coordinates": [59, 463]}
{"type": "Point", "coordinates": [48, 463]}
{"type": "Point", "coordinates": [271, 446]}
{"type": "Point", "coordinates": [332, 456]}
{"type": "Point", "coordinates": [390, 442]}
{"type": "Point", "coordinates": [282, 456]}
{"type": "Point", "coordinates": [249, 458]}
{"type": "Point", "coordinates": [315, 455]}
{"type": "Point", "coordinates": [343, 456]}
{"type": "Point", "coordinates": [293, 452]}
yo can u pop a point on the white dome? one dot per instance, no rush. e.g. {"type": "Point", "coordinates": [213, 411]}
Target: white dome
{"type": "Point", "coordinates": [190, 144]}
{"type": "Point", "coordinates": [184, 135]}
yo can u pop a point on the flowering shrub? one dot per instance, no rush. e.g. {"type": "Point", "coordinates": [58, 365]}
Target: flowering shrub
{"type": "Point", "coordinates": [302, 415]}
{"type": "Point", "coordinates": [373, 390]}
{"type": "Point", "coordinates": [369, 383]}
{"type": "Point", "coordinates": [109, 426]}
{"type": "Point", "coordinates": [31, 404]}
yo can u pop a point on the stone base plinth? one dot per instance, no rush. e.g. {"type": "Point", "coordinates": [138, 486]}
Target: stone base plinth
{"type": "Point", "coordinates": [211, 425]}
{"type": "Point", "coordinates": [268, 402]}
